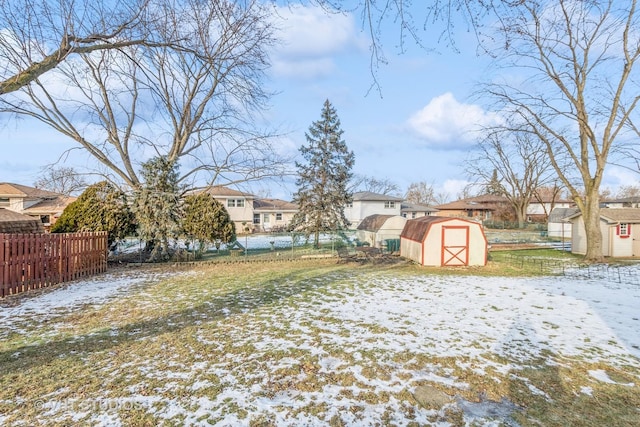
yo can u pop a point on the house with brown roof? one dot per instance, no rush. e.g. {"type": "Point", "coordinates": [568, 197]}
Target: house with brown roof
{"type": "Point", "coordinates": [272, 215]}
{"type": "Point", "coordinates": [540, 207]}
{"type": "Point", "coordinates": [44, 205]}
{"type": "Point", "coordinates": [620, 229]}
{"type": "Point", "coordinates": [239, 205]}
{"type": "Point", "coordinates": [248, 211]}
{"type": "Point", "coordinates": [484, 207]}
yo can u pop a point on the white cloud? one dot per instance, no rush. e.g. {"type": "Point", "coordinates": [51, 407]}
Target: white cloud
{"type": "Point", "coordinates": [446, 123]}
{"type": "Point", "coordinates": [617, 176]}
{"type": "Point", "coordinates": [310, 37]}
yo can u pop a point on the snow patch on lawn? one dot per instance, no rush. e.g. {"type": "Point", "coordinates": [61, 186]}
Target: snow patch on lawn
{"type": "Point", "coordinates": [346, 327]}
{"type": "Point", "coordinates": [70, 297]}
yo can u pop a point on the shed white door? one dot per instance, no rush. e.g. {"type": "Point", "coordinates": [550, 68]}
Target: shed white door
{"type": "Point", "coordinates": [635, 247]}
{"type": "Point", "coordinates": [455, 245]}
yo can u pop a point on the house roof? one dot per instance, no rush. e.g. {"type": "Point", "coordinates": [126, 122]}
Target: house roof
{"type": "Point", "coordinates": [362, 196]}
{"type": "Point", "coordinates": [561, 214]}
{"type": "Point", "coordinates": [624, 200]}
{"type": "Point", "coordinates": [373, 222]}
{"type": "Point", "coordinates": [614, 215]}
{"type": "Point", "coordinates": [222, 191]}
{"type": "Point", "coordinates": [273, 205]}
{"type": "Point", "coordinates": [416, 207]}
{"type": "Point", "coordinates": [9, 189]}
{"type": "Point", "coordinates": [49, 206]}
{"type": "Point", "coordinates": [14, 222]}
{"type": "Point", "coordinates": [466, 204]}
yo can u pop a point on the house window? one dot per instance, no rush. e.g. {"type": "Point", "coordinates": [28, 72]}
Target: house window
{"type": "Point", "coordinates": [389, 205]}
{"type": "Point", "coordinates": [265, 218]}
{"type": "Point", "coordinates": [624, 230]}
{"type": "Point", "coordinates": [413, 214]}
{"type": "Point", "coordinates": [349, 205]}
{"type": "Point", "coordinates": [256, 218]}
{"type": "Point", "coordinates": [45, 219]}
{"type": "Point", "coordinates": [279, 217]}
{"type": "Point", "coordinates": [235, 203]}
{"type": "Point", "coordinates": [4, 201]}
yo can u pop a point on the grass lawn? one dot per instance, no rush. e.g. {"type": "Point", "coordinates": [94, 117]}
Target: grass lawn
{"type": "Point", "coordinates": [319, 343]}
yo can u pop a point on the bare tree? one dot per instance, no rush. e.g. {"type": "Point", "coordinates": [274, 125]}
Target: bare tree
{"type": "Point", "coordinates": [39, 35]}
{"type": "Point", "coordinates": [626, 191]}
{"type": "Point", "coordinates": [374, 185]}
{"type": "Point", "coordinates": [547, 196]}
{"type": "Point", "coordinates": [413, 20]}
{"type": "Point", "coordinates": [513, 164]}
{"type": "Point", "coordinates": [423, 193]}
{"type": "Point", "coordinates": [581, 90]}
{"type": "Point", "coordinates": [63, 180]}
{"type": "Point", "coordinates": [196, 105]}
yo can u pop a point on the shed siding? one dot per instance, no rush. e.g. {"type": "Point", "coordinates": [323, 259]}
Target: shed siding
{"type": "Point", "coordinates": [578, 237]}
{"type": "Point", "coordinates": [621, 247]}
{"type": "Point", "coordinates": [411, 249]}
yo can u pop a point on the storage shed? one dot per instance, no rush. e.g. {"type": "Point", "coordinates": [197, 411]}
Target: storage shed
{"type": "Point", "coordinates": [14, 222]}
{"type": "Point", "coordinates": [444, 241]}
{"type": "Point", "coordinates": [620, 229]}
{"type": "Point", "coordinates": [377, 229]}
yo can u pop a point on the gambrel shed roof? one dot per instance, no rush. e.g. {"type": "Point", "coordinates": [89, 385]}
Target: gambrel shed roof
{"type": "Point", "coordinates": [373, 222]}
{"type": "Point", "coordinates": [416, 229]}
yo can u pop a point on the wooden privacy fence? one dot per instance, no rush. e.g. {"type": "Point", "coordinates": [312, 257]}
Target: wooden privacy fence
{"type": "Point", "coordinates": [33, 261]}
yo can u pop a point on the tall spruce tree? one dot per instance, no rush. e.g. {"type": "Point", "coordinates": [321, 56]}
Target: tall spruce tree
{"type": "Point", "coordinates": [323, 178]}
{"type": "Point", "coordinates": [157, 206]}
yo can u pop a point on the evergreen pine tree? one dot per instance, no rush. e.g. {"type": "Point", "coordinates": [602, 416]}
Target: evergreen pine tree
{"type": "Point", "coordinates": [157, 206]}
{"type": "Point", "coordinates": [323, 178]}
{"type": "Point", "coordinates": [494, 187]}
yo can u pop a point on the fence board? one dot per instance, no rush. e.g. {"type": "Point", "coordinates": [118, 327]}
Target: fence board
{"type": "Point", "coordinates": [33, 261]}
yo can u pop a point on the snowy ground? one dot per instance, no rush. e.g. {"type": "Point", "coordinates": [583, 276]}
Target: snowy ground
{"type": "Point", "coordinates": [346, 351]}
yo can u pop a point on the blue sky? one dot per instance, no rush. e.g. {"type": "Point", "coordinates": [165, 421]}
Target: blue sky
{"type": "Point", "coordinates": [416, 128]}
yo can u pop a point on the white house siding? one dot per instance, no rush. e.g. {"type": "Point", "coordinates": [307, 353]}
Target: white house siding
{"type": "Point", "coordinates": [364, 208]}
{"type": "Point", "coordinates": [537, 208]}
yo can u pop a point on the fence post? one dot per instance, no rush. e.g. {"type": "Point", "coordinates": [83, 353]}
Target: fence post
{"type": "Point", "coordinates": [3, 268]}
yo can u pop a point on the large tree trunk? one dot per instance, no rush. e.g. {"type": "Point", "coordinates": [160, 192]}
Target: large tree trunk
{"type": "Point", "coordinates": [591, 215]}
{"type": "Point", "coordinates": [521, 215]}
